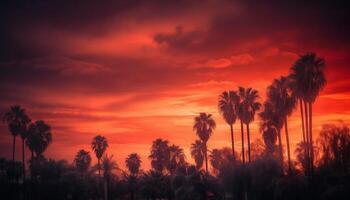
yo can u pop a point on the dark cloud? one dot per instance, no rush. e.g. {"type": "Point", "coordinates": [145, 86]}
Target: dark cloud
{"type": "Point", "coordinates": [306, 24]}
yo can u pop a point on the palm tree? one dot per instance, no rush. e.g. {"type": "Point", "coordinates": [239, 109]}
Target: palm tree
{"type": "Point", "coordinates": [108, 166]}
{"type": "Point", "coordinates": [133, 163]}
{"type": "Point", "coordinates": [17, 121]}
{"type": "Point", "coordinates": [227, 107]}
{"type": "Point", "coordinates": [197, 153]}
{"type": "Point", "coordinates": [38, 139]}
{"type": "Point", "coordinates": [269, 136]}
{"type": "Point", "coordinates": [249, 106]}
{"type": "Point", "coordinates": [176, 158]}
{"type": "Point", "coordinates": [284, 101]}
{"type": "Point", "coordinates": [99, 145]}
{"type": "Point", "coordinates": [309, 78]}
{"type": "Point", "coordinates": [300, 155]}
{"type": "Point", "coordinates": [272, 119]}
{"type": "Point", "coordinates": [82, 160]}
{"type": "Point", "coordinates": [220, 157]}
{"type": "Point", "coordinates": [204, 126]}
{"type": "Point", "coordinates": [159, 155]}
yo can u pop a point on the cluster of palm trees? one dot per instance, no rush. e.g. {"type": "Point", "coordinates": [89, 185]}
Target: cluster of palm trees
{"type": "Point", "coordinates": [36, 136]}
{"type": "Point", "coordinates": [303, 84]}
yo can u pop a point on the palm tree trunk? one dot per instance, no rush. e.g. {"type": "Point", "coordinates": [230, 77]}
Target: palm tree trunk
{"type": "Point", "coordinates": [206, 157]}
{"type": "Point", "coordinates": [13, 148]}
{"type": "Point", "coordinates": [288, 147]}
{"type": "Point", "coordinates": [232, 141]}
{"type": "Point", "coordinates": [307, 138]}
{"type": "Point", "coordinates": [280, 147]}
{"type": "Point", "coordinates": [31, 165]}
{"type": "Point", "coordinates": [303, 129]}
{"type": "Point", "coordinates": [302, 118]}
{"type": "Point", "coordinates": [99, 167]}
{"type": "Point", "coordinates": [106, 190]}
{"type": "Point", "coordinates": [248, 138]}
{"type": "Point", "coordinates": [242, 135]}
{"type": "Point", "coordinates": [23, 161]}
{"type": "Point", "coordinates": [311, 142]}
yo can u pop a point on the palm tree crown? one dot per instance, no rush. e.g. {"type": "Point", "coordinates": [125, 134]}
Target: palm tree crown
{"type": "Point", "coordinates": [133, 163]}
{"type": "Point", "coordinates": [99, 145]}
{"type": "Point", "coordinates": [227, 106]}
{"type": "Point", "coordinates": [204, 125]}
{"type": "Point", "coordinates": [197, 153]}
{"type": "Point", "coordinates": [249, 105]}
{"type": "Point", "coordinates": [39, 137]}
{"type": "Point", "coordinates": [309, 77]}
{"type": "Point", "coordinates": [159, 154]}
{"type": "Point", "coordinates": [82, 160]}
{"type": "Point", "coordinates": [17, 120]}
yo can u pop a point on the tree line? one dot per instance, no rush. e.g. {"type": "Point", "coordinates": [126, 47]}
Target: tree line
{"type": "Point", "coordinates": [257, 171]}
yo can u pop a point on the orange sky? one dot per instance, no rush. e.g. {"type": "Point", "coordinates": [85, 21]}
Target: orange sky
{"type": "Point", "coordinates": [134, 72]}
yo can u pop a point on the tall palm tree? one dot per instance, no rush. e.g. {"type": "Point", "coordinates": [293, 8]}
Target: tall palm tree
{"type": "Point", "coordinates": [197, 153]}
{"type": "Point", "coordinates": [82, 160]}
{"type": "Point", "coordinates": [227, 107]}
{"type": "Point", "coordinates": [108, 166]}
{"type": "Point", "coordinates": [249, 106]}
{"type": "Point", "coordinates": [204, 126]}
{"type": "Point", "coordinates": [133, 163]}
{"type": "Point", "coordinates": [284, 101]}
{"type": "Point", "coordinates": [99, 146]}
{"type": "Point", "coordinates": [18, 121]}
{"type": "Point", "coordinates": [309, 78]}
{"type": "Point", "coordinates": [159, 155]}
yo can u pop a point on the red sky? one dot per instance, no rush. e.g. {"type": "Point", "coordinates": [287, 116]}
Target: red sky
{"type": "Point", "coordinates": [135, 71]}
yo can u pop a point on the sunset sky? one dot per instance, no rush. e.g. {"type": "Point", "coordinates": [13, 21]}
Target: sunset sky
{"type": "Point", "coordinates": [135, 71]}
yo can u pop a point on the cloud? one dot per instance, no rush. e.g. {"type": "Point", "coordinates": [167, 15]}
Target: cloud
{"type": "Point", "coordinates": [242, 59]}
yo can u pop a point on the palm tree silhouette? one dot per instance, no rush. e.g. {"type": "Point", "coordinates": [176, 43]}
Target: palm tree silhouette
{"type": "Point", "coordinates": [197, 153]}
{"type": "Point", "coordinates": [228, 101]}
{"type": "Point", "coordinates": [133, 163]}
{"type": "Point", "coordinates": [17, 121]}
{"type": "Point", "coordinates": [38, 139]}
{"type": "Point", "coordinates": [159, 155]}
{"type": "Point", "coordinates": [309, 79]}
{"type": "Point", "coordinates": [108, 166]}
{"type": "Point", "coordinates": [283, 99]}
{"type": "Point", "coordinates": [219, 157]}
{"type": "Point", "coordinates": [82, 160]}
{"type": "Point", "coordinates": [272, 119]}
{"type": "Point", "coordinates": [269, 136]}
{"type": "Point", "coordinates": [99, 145]}
{"type": "Point", "coordinates": [176, 158]}
{"type": "Point", "coordinates": [204, 126]}
{"type": "Point", "coordinates": [249, 106]}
